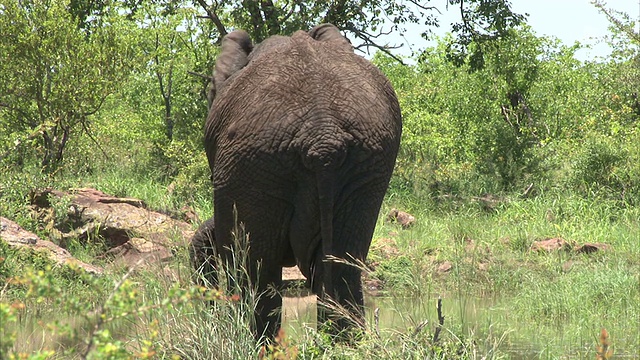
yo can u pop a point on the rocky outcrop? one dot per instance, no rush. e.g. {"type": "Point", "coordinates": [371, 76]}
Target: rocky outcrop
{"type": "Point", "coordinates": [549, 245]}
{"type": "Point", "coordinates": [133, 234]}
{"type": "Point", "coordinates": [116, 220]}
{"type": "Point", "coordinates": [555, 244]}
{"type": "Point", "coordinates": [16, 236]}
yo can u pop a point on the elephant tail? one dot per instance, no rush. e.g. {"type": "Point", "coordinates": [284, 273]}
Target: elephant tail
{"type": "Point", "coordinates": [324, 157]}
{"type": "Point", "coordinates": [326, 190]}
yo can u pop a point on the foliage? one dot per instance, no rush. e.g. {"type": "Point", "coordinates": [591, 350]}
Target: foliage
{"type": "Point", "coordinates": [515, 122]}
{"type": "Point", "coordinates": [174, 47]}
{"type": "Point", "coordinates": [363, 19]}
{"type": "Point", "coordinates": [68, 298]}
{"type": "Point", "coordinates": [603, 351]}
{"type": "Point", "coordinates": [484, 23]}
{"type": "Point", "coordinates": [368, 22]}
{"type": "Point", "coordinates": [512, 111]}
{"type": "Point", "coordinates": [396, 273]}
{"type": "Point", "coordinates": [281, 349]}
{"type": "Point", "coordinates": [622, 22]}
{"type": "Point", "coordinates": [53, 75]}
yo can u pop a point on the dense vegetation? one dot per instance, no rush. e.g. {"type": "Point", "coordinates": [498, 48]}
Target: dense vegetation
{"type": "Point", "coordinates": [507, 139]}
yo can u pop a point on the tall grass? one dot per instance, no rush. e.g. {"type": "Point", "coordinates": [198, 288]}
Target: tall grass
{"type": "Point", "coordinates": [500, 298]}
{"type": "Point", "coordinates": [549, 304]}
{"type": "Point", "coordinates": [156, 312]}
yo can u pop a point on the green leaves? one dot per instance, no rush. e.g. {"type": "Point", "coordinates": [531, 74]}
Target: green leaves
{"type": "Point", "coordinates": [523, 118]}
{"type": "Point", "coordinates": [483, 23]}
{"type": "Point", "coordinates": [55, 74]}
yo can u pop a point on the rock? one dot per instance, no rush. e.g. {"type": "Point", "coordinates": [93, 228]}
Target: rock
{"type": "Point", "coordinates": [373, 286]}
{"type": "Point", "coordinates": [561, 244]}
{"type": "Point", "coordinates": [401, 217]}
{"type": "Point", "coordinates": [445, 267]}
{"type": "Point", "coordinates": [138, 251]}
{"type": "Point", "coordinates": [16, 236]}
{"type": "Point", "coordinates": [129, 229]}
{"type": "Point", "coordinates": [589, 248]}
{"type": "Point", "coordinates": [292, 273]}
{"type": "Point", "coordinates": [294, 284]}
{"type": "Point", "coordinates": [189, 215]}
{"type": "Point", "coordinates": [550, 245]}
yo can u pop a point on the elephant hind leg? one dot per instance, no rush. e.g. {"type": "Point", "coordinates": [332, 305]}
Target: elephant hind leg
{"type": "Point", "coordinates": [205, 258]}
{"type": "Point", "coordinates": [268, 314]}
{"type": "Point", "coordinates": [203, 255]}
{"type": "Point", "coordinates": [342, 312]}
{"type": "Point", "coordinates": [355, 217]}
{"type": "Point", "coordinates": [262, 220]}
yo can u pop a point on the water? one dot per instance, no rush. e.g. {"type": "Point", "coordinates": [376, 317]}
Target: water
{"type": "Point", "coordinates": [486, 320]}
{"type": "Point", "coordinates": [395, 313]}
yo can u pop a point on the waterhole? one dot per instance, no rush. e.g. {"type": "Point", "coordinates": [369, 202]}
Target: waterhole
{"type": "Point", "coordinates": [487, 321]}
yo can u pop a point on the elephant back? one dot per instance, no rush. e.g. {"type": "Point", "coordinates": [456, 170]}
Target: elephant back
{"type": "Point", "coordinates": [311, 97]}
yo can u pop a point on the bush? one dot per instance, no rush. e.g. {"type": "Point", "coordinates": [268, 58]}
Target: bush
{"type": "Point", "coordinates": [608, 167]}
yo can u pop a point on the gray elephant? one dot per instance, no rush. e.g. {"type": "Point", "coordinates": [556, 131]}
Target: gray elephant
{"type": "Point", "coordinates": [301, 139]}
{"type": "Point", "coordinates": [202, 253]}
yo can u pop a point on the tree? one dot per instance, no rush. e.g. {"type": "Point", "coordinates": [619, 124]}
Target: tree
{"type": "Point", "coordinates": [174, 47]}
{"type": "Point", "coordinates": [489, 123]}
{"type": "Point", "coordinates": [621, 21]}
{"type": "Point", "coordinates": [367, 21]}
{"type": "Point", "coordinates": [626, 50]}
{"type": "Point", "coordinates": [483, 23]}
{"type": "Point", "coordinates": [54, 74]}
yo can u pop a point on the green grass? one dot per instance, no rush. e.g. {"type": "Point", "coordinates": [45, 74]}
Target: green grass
{"type": "Point", "coordinates": [550, 304]}
{"type": "Point", "coordinates": [500, 299]}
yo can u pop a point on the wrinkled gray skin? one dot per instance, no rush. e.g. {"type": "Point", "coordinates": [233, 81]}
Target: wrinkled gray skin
{"type": "Point", "coordinates": [202, 252]}
{"type": "Point", "coordinates": [301, 138]}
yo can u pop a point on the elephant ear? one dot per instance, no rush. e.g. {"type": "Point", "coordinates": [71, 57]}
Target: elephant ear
{"type": "Point", "coordinates": [236, 47]}
{"type": "Point", "coordinates": [329, 32]}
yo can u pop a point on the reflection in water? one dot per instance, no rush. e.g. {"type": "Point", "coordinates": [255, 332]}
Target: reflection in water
{"type": "Point", "coordinates": [483, 319]}
{"type": "Point", "coordinates": [394, 313]}
{"type": "Point", "coordinates": [299, 312]}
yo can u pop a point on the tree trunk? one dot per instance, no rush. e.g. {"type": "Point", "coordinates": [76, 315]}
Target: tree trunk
{"type": "Point", "coordinates": [271, 17]}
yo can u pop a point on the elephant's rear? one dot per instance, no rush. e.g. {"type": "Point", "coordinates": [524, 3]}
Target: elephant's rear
{"type": "Point", "coordinates": [351, 105]}
{"type": "Point", "coordinates": [306, 100]}
{"type": "Point", "coordinates": [302, 141]}
{"type": "Point", "coordinates": [348, 138]}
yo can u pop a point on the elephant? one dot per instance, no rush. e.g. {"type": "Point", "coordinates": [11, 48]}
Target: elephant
{"type": "Point", "coordinates": [301, 139]}
{"type": "Point", "coordinates": [202, 253]}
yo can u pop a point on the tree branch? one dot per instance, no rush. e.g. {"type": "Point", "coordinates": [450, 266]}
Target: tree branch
{"type": "Point", "coordinates": [335, 10]}
{"type": "Point", "coordinates": [621, 26]}
{"type": "Point", "coordinates": [289, 13]}
{"type": "Point", "coordinates": [85, 127]}
{"type": "Point", "coordinates": [423, 7]}
{"type": "Point", "coordinates": [271, 16]}
{"type": "Point", "coordinates": [251, 6]}
{"type": "Point", "coordinates": [11, 108]}
{"type": "Point", "coordinates": [95, 110]}
{"type": "Point", "coordinates": [211, 14]}
{"type": "Point", "coordinates": [465, 20]}
{"type": "Point", "coordinates": [369, 42]}
{"type": "Point", "coordinates": [206, 77]}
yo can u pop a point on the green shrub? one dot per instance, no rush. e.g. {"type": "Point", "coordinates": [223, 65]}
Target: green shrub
{"type": "Point", "coordinates": [608, 167]}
